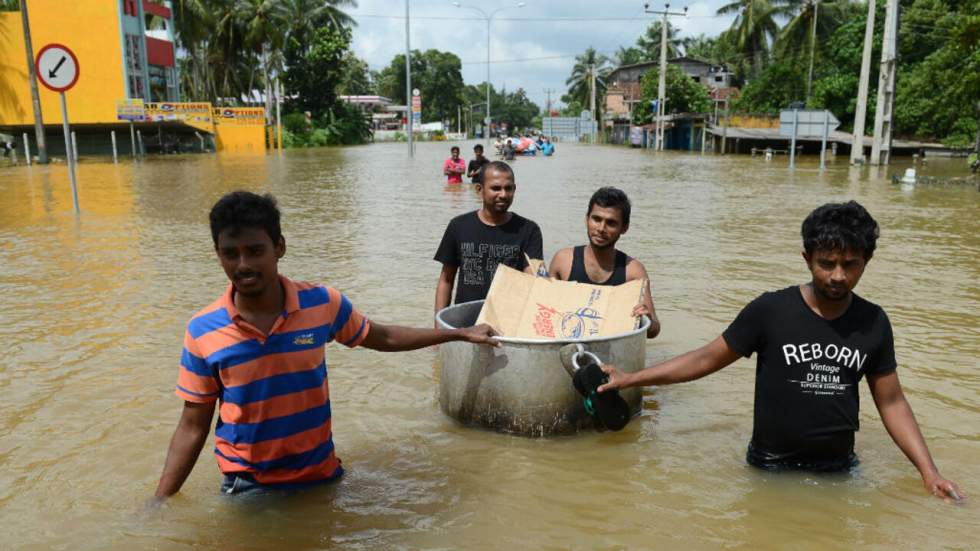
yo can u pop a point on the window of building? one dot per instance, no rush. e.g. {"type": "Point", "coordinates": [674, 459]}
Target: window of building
{"type": "Point", "coordinates": [158, 83]}
{"type": "Point", "coordinates": [134, 66]}
{"type": "Point", "coordinates": [718, 78]}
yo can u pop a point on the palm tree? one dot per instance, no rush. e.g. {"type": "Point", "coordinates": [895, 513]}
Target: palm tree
{"type": "Point", "coordinates": [579, 83]}
{"type": "Point", "coordinates": [754, 28]}
{"type": "Point", "coordinates": [649, 42]}
{"type": "Point", "coordinates": [305, 16]}
{"type": "Point", "coordinates": [629, 56]}
{"type": "Point", "coordinates": [810, 22]}
{"type": "Point", "coordinates": [264, 24]}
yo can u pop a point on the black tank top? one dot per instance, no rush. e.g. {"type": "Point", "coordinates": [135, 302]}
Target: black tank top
{"type": "Point", "coordinates": [579, 274]}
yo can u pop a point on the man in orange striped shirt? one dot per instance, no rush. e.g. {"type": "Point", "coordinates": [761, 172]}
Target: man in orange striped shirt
{"type": "Point", "coordinates": [258, 351]}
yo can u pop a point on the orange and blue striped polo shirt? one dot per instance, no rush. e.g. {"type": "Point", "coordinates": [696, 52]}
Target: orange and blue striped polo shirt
{"type": "Point", "coordinates": [274, 415]}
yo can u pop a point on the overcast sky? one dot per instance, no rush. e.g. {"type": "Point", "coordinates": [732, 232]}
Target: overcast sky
{"type": "Point", "coordinates": [534, 31]}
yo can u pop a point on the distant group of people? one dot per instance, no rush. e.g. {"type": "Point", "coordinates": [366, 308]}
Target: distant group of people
{"type": "Point", "coordinates": [256, 354]}
{"type": "Point", "coordinates": [454, 168]}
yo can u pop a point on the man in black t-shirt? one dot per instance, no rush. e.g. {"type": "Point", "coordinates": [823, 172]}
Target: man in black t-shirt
{"type": "Point", "coordinates": [475, 243]}
{"type": "Point", "coordinates": [814, 343]}
{"type": "Point", "coordinates": [475, 169]}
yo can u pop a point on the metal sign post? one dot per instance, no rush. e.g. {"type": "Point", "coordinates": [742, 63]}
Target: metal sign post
{"type": "Point", "coordinates": [823, 142]}
{"type": "Point", "coordinates": [57, 68]}
{"type": "Point", "coordinates": [807, 123]}
{"type": "Point", "coordinates": [792, 147]}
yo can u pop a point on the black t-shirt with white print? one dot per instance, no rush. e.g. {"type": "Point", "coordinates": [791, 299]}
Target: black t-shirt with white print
{"type": "Point", "coordinates": [476, 249]}
{"type": "Point", "coordinates": [807, 373]}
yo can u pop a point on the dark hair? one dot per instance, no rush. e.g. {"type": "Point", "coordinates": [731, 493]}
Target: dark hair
{"type": "Point", "coordinates": [453, 148]}
{"type": "Point", "coordinates": [244, 209]}
{"type": "Point", "coordinates": [478, 147]}
{"type": "Point", "coordinates": [840, 226]}
{"type": "Point", "coordinates": [610, 197]}
{"type": "Point", "coordinates": [498, 166]}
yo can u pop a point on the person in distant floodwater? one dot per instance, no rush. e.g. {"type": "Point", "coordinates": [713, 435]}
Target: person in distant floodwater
{"type": "Point", "coordinates": [475, 168]}
{"type": "Point", "coordinates": [815, 342]}
{"type": "Point", "coordinates": [454, 167]}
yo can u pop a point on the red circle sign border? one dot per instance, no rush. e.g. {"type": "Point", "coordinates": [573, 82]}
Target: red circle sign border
{"type": "Point", "coordinates": [37, 71]}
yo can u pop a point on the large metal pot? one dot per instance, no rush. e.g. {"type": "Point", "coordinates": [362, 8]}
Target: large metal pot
{"type": "Point", "coordinates": [523, 386]}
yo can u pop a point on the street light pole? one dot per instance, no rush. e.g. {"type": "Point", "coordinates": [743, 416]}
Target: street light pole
{"type": "Point", "coordinates": [488, 17]}
{"type": "Point", "coordinates": [408, 84]}
{"type": "Point", "coordinates": [486, 122]}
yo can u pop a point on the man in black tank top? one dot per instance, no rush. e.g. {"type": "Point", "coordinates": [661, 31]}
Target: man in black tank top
{"type": "Point", "coordinates": [599, 262]}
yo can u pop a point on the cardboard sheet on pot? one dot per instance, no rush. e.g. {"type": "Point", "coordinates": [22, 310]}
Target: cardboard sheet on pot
{"type": "Point", "coordinates": [526, 306]}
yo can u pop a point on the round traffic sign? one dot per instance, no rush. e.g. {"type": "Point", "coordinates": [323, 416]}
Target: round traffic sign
{"type": "Point", "coordinates": [57, 67]}
{"type": "Point", "coordinates": [416, 92]}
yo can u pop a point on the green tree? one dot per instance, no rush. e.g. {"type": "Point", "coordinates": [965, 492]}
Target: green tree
{"type": "Point", "coordinates": [356, 78]}
{"type": "Point", "coordinates": [579, 82]}
{"type": "Point", "coordinates": [754, 28]}
{"type": "Point", "coordinates": [629, 56]}
{"type": "Point", "coordinates": [683, 94]}
{"type": "Point", "coordinates": [774, 89]}
{"type": "Point", "coordinates": [649, 41]}
{"type": "Point", "coordinates": [937, 97]}
{"type": "Point", "coordinates": [438, 77]}
{"type": "Point", "coordinates": [313, 76]}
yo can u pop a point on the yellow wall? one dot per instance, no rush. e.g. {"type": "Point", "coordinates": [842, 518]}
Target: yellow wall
{"type": "Point", "coordinates": [240, 138]}
{"type": "Point", "coordinates": [753, 121]}
{"type": "Point", "coordinates": [91, 29]}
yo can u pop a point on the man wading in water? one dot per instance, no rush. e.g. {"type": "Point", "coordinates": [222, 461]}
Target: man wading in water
{"type": "Point", "coordinates": [258, 351]}
{"type": "Point", "coordinates": [599, 262]}
{"type": "Point", "coordinates": [814, 342]}
{"type": "Point", "coordinates": [476, 242]}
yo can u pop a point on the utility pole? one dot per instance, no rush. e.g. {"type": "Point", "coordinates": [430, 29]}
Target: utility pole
{"type": "Point", "coordinates": [408, 83]}
{"type": "Point", "coordinates": [885, 110]}
{"type": "Point", "coordinates": [813, 44]}
{"type": "Point", "coordinates": [857, 142]}
{"type": "Point", "coordinates": [662, 83]}
{"type": "Point", "coordinates": [592, 98]}
{"type": "Point", "coordinates": [42, 143]}
{"type": "Point", "coordinates": [549, 91]}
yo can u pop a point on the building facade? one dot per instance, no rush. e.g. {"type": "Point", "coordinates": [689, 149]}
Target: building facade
{"type": "Point", "coordinates": [625, 91]}
{"type": "Point", "coordinates": [125, 50]}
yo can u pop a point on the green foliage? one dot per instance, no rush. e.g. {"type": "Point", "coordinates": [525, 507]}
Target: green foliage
{"type": "Point", "coordinates": [649, 41]}
{"type": "Point", "coordinates": [313, 75]}
{"type": "Point", "coordinates": [753, 30]}
{"type": "Point", "coordinates": [629, 56]}
{"type": "Point", "coordinates": [297, 125]}
{"type": "Point", "coordinates": [355, 77]}
{"type": "Point", "coordinates": [938, 96]}
{"type": "Point", "coordinates": [683, 94]}
{"type": "Point", "coordinates": [774, 89]}
{"type": "Point", "coordinates": [343, 125]}
{"type": "Point", "coordinates": [10, 5]}
{"type": "Point", "coordinates": [579, 82]}
{"type": "Point", "coordinates": [438, 77]}
{"type": "Point", "coordinates": [514, 108]}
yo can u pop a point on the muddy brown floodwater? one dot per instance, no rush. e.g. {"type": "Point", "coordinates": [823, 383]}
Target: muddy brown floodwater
{"type": "Point", "coordinates": [93, 311]}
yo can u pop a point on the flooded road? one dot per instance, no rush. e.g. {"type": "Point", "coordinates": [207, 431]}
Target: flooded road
{"type": "Point", "coordinates": [94, 309]}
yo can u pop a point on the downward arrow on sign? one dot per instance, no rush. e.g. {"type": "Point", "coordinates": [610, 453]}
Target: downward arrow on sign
{"type": "Point", "coordinates": [54, 72]}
